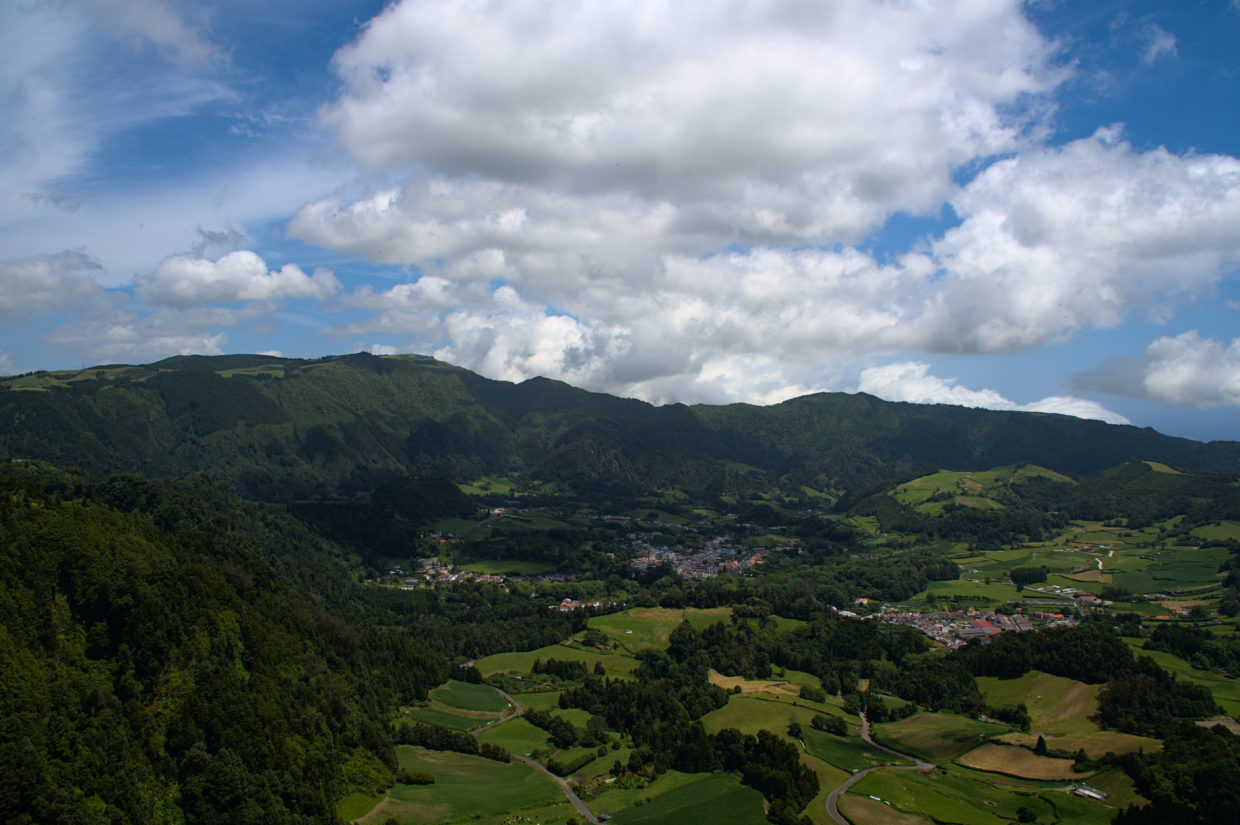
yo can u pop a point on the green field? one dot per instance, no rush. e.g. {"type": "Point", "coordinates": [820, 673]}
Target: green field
{"type": "Point", "coordinates": [1175, 569]}
{"type": "Point", "coordinates": [958, 795]}
{"type": "Point", "coordinates": [508, 567]}
{"type": "Point", "coordinates": [850, 754]}
{"type": "Point", "coordinates": [643, 627]}
{"type": "Point", "coordinates": [715, 798]}
{"type": "Point", "coordinates": [616, 664]}
{"type": "Point", "coordinates": [937, 737]}
{"type": "Point", "coordinates": [456, 796]}
{"type": "Point", "coordinates": [749, 714]}
{"type": "Point", "coordinates": [466, 696]}
{"type": "Point", "coordinates": [435, 716]}
{"type": "Point", "coordinates": [515, 736]}
{"type": "Point", "coordinates": [1226, 691]}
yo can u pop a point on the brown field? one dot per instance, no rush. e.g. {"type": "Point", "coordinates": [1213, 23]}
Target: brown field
{"type": "Point", "coordinates": [1018, 762]}
{"type": "Point", "coordinates": [1094, 743]}
{"type": "Point", "coordinates": [865, 811]}
{"type": "Point", "coordinates": [777, 687]}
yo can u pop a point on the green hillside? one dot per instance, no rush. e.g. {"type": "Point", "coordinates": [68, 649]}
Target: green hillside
{"type": "Point", "coordinates": [280, 429]}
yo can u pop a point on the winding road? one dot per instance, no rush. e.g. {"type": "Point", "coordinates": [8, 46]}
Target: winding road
{"type": "Point", "coordinates": [833, 797]}
{"type": "Point", "coordinates": [564, 786]}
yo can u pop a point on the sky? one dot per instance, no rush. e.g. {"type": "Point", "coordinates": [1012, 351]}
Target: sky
{"type": "Point", "coordinates": [1012, 205]}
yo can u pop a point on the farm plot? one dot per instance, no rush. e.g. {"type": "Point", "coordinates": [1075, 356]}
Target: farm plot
{"type": "Point", "coordinates": [714, 798]}
{"type": "Point", "coordinates": [937, 737]}
{"type": "Point", "coordinates": [643, 627]}
{"type": "Point", "coordinates": [455, 795]}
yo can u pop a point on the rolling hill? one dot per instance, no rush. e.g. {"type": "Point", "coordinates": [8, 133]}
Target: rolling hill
{"type": "Point", "coordinates": [281, 429]}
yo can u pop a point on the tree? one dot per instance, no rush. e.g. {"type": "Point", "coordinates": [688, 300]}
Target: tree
{"type": "Point", "coordinates": [1040, 748]}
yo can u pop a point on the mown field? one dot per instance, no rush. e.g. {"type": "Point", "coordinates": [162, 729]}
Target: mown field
{"type": "Point", "coordinates": [643, 627]}
{"type": "Point", "coordinates": [959, 795]}
{"type": "Point", "coordinates": [713, 798]}
{"type": "Point", "coordinates": [458, 790]}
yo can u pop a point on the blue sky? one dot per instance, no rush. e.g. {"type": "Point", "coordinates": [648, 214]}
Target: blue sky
{"type": "Point", "coordinates": [1010, 205]}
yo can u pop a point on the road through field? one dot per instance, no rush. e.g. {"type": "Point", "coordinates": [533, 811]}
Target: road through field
{"type": "Point", "coordinates": [833, 797]}
{"type": "Point", "coordinates": [517, 710]}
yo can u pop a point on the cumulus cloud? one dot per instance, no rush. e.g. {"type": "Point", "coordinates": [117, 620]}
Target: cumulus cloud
{"type": "Point", "coordinates": [911, 381]}
{"type": "Point", "coordinates": [754, 120]}
{"type": "Point", "coordinates": [183, 281]}
{"type": "Point", "coordinates": [1060, 239]}
{"type": "Point", "coordinates": [669, 192]}
{"type": "Point", "coordinates": [47, 283]}
{"type": "Point", "coordinates": [1185, 370]}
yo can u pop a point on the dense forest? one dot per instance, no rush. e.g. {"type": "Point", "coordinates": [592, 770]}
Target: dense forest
{"type": "Point", "coordinates": [278, 429]}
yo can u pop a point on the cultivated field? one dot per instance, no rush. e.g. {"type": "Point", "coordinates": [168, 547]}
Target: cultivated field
{"type": "Point", "coordinates": [1018, 762]}
{"type": "Point", "coordinates": [713, 798]}
{"type": "Point", "coordinates": [937, 737]}
{"type": "Point", "coordinates": [456, 795]}
{"type": "Point", "coordinates": [643, 627]}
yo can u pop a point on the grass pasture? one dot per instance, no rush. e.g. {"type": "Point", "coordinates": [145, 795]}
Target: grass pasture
{"type": "Point", "coordinates": [961, 796]}
{"type": "Point", "coordinates": [847, 753]}
{"type": "Point", "coordinates": [713, 798]}
{"type": "Point", "coordinates": [455, 795]}
{"type": "Point", "coordinates": [470, 697]}
{"type": "Point", "coordinates": [515, 736]}
{"type": "Point", "coordinates": [1060, 710]}
{"type": "Point", "coordinates": [749, 714]}
{"type": "Point", "coordinates": [643, 627]}
{"type": "Point", "coordinates": [937, 737]}
{"type": "Point", "coordinates": [1226, 691]}
{"type": "Point", "coordinates": [508, 567]}
{"type": "Point", "coordinates": [861, 810]}
{"type": "Point", "coordinates": [1175, 569]}
{"type": "Point", "coordinates": [446, 719]}
{"type": "Point", "coordinates": [616, 664]}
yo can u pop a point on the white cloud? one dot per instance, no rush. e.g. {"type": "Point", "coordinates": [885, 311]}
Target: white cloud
{"type": "Point", "coordinates": [151, 22]}
{"type": "Point", "coordinates": [1156, 42]}
{"type": "Point", "coordinates": [1078, 236]}
{"type": "Point", "coordinates": [182, 281]}
{"type": "Point", "coordinates": [911, 381]}
{"type": "Point", "coordinates": [134, 339]}
{"type": "Point", "coordinates": [65, 90]}
{"type": "Point", "coordinates": [47, 283]}
{"type": "Point", "coordinates": [1191, 371]}
{"type": "Point", "coordinates": [758, 121]}
{"type": "Point", "coordinates": [8, 364]}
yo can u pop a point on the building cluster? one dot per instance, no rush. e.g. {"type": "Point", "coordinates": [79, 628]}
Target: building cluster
{"type": "Point", "coordinates": [717, 556]}
{"type": "Point", "coordinates": [432, 571]}
{"type": "Point", "coordinates": [960, 627]}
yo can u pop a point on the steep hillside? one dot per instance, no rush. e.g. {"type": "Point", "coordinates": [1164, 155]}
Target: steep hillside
{"type": "Point", "coordinates": [282, 430]}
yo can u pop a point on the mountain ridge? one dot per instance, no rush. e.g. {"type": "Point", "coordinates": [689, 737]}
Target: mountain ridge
{"type": "Point", "coordinates": [284, 429]}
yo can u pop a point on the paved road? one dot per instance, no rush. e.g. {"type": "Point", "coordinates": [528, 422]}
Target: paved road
{"type": "Point", "coordinates": [833, 797]}
{"type": "Point", "coordinates": [517, 710]}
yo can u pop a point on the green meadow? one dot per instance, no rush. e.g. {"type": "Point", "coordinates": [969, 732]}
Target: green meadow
{"type": "Point", "coordinates": [936, 737]}
{"type": "Point", "coordinates": [958, 795]}
{"type": "Point", "coordinates": [643, 627]}
{"type": "Point", "coordinates": [466, 696]}
{"type": "Point", "coordinates": [508, 567]}
{"type": "Point", "coordinates": [456, 795]}
{"type": "Point", "coordinates": [714, 798]}
{"type": "Point", "coordinates": [615, 664]}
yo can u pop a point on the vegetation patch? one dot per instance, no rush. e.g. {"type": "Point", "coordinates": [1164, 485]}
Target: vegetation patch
{"type": "Point", "coordinates": [457, 793]}
{"type": "Point", "coordinates": [850, 754]}
{"type": "Point", "coordinates": [466, 696]}
{"type": "Point", "coordinates": [643, 627]}
{"type": "Point", "coordinates": [937, 737]}
{"type": "Point", "coordinates": [861, 810]}
{"type": "Point", "coordinates": [715, 798]}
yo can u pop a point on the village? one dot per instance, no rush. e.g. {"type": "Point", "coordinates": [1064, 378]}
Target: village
{"type": "Point", "coordinates": [957, 628]}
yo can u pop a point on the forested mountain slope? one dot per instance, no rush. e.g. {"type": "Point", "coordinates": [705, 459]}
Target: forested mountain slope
{"type": "Point", "coordinates": [282, 429]}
